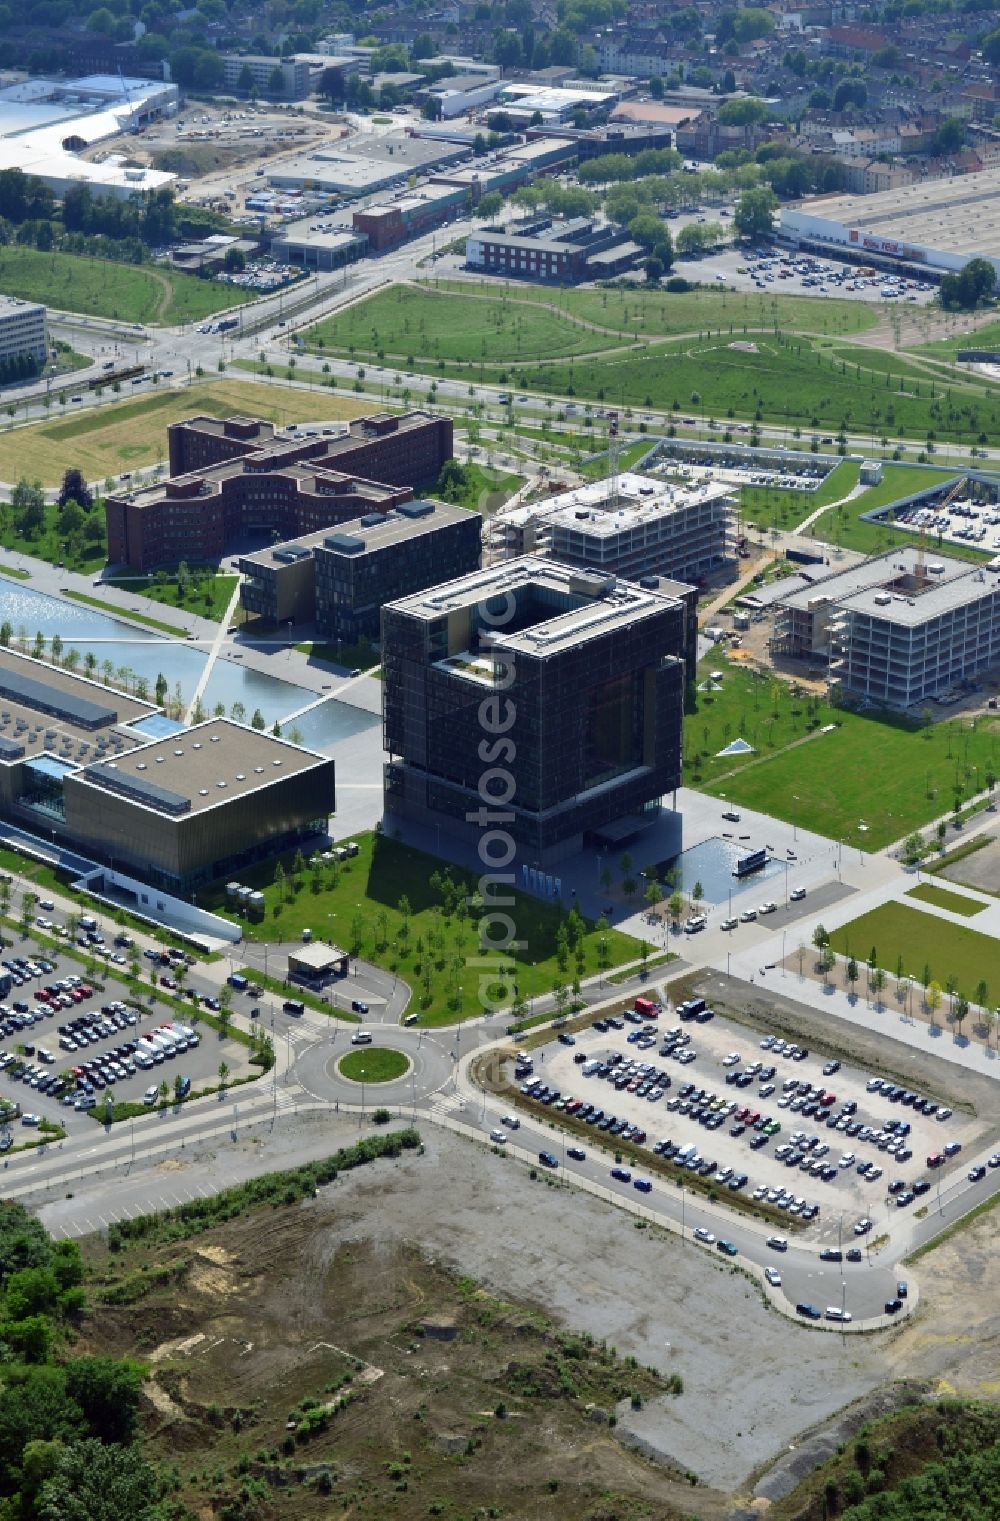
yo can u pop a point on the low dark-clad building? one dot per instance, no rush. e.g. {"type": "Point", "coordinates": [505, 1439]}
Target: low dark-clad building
{"type": "Point", "coordinates": [342, 579]}
{"type": "Point", "coordinates": [78, 766]}
{"type": "Point", "coordinates": [582, 675]}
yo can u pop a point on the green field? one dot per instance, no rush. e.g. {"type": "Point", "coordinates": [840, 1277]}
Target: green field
{"type": "Point", "coordinates": [373, 1065]}
{"type": "Point", "coordinates": [132, 435]}
{"type": "Point", "coordinates": [955, 903]}
{"type": "Point", "coordinates": [768, 508]}
{"type": "Point", "coordinates": [207, 595]}
{"type": "Point", "coordinates": [869, 770]}
{"type": "Point", "coordinates": [925, 943]}
{"type": "Point", "coordinates": [435, 946]}
{"type": "Point", "coordinates": [101, 288]}
{"type": "Point", "coordinates": [663, 314]}
{"type": "Point", "coordinates": [743, 356]}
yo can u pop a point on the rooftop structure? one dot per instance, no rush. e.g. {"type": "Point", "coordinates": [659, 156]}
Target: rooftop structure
{"type": "Point", "coordinates": [579, 250]}
{"type": "Point", "coordinates": [638, 527]}
{"type": "Point", "coordinates": [553, 103]}
{"type": "Point", "coordinates": [76, 763]}
{"type": "Point", "coordinates": [899, 629]}
{"type": "Point", "coordinates": [591, 673]}
{"type": "Point", "coordinates": [939, 223]}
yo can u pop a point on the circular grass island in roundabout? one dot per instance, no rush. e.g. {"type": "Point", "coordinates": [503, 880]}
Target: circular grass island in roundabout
{"type": "Point", "coordinates": [374, 1064]}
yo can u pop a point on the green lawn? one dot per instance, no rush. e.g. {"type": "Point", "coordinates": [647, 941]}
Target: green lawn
{"type": "Point", "coordinates": [784, 509]}
{"type": "Point", "coordinates": [373, 1065]}
{"type": "Point", "coordinates": [207, 595]}
{"type": "Point", "coordinates": [663, 314]}
{"type": "Point", "coordinates": [486, 490]}
{"type": "Point", "coordinates": [403, 321]}
{"type": "Point", "coordinates": [985, 337]}
{"type": "Point", "coordinates": [435, 947]}
{"type": "Point", "coordinates": [925, 943]}
{"type": "Point", "coordinates": [85, 552]}
{"type": "Point", "coordinates": [956, 903]}
{"type": "Point", "coordinates": [101, 288]}
{"type": "Point", "coordinates": [882, 772]}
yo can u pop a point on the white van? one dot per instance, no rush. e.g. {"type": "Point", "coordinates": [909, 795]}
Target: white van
{"type": "Point", "coordinates": [361, 1038]}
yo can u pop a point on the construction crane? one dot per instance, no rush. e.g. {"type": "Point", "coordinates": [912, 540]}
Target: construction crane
{"type": "Point", "coordinates": [614, 449]}
{"type": "Point", "coordinates": [128, 101]}
{"type": "Point", "coordinates": [921, 572]}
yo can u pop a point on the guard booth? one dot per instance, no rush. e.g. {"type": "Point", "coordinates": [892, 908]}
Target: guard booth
{"type": "Point", "coordinates": [317, 964]}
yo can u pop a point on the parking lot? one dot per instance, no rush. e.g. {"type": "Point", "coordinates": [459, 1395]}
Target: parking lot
{"type": "Point", "coordinates": [826, 1142]}
{"type": "Point", "coordinates": [66, 1042]}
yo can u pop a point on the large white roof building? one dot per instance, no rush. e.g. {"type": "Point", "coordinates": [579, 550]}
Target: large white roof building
{"type": "Point", "coordinates": [45, 126]}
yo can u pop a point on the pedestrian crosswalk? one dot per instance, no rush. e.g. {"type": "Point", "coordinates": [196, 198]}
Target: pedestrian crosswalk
{"type": "Point", "coordinates": [447, 1103]}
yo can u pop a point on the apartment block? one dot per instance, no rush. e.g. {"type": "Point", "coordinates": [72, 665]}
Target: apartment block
{"type": "Point", "coordinates": [22, 331]}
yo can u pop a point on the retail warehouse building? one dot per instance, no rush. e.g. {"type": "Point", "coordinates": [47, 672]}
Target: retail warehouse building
{"type": "Point", "coordinates": [110, 777]}
{"type": "Point", "coordinates": [935, 225]}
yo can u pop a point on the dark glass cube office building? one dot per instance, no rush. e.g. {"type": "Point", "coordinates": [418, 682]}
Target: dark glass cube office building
{"type": "Point", "coordinates": [582, 676]}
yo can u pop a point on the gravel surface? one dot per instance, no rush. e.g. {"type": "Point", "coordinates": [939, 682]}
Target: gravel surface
{"type": "Point", "coordinates": [752, 1380]}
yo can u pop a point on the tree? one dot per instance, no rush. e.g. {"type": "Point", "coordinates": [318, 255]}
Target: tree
{"type": "Point", "coordinates": [743, 113]}
{"type": "Point", "coordinates": [276, 82]}
{"type": "Point", "coordinates": [507, 50]}
{"type": "Point", "coordinates": [101, 21]}
{"type": "Point", "coordinates": [878, 984]}
{"type": "Point", "coordinates": [94, 1482]}
{"type": "Point", "coordinates": [654, 270]}
{"type": "Point", "coordinates": [424, 46]}
{"type": "Point", "coordinates": [654, 894]}
{"type": "Point", "coordinates": [932, 997]}
{"type": "Point", "coordinates": [913, 849]}
{"type": "Point", "coordinates": [491, 204]}
{"type": "Point", "coordinates": [107, 1390]}
{"type": "Point", "coordinates": [28, 503]}
{"type": "Point", "coordinates": [223, 1075]}
{"type": "Point", "coordinates": [949, 137]}
{"type": "Point", "coordinates": [258, 721]}
{"type": "Point", "coordinates": [850, 92]}
{"type": "Point", "coordinates": [754, 213]}
{"type": "Point", "coordinates": [975, 282]}
{"type": "Point", "coordinates": [851, 973]}
{"type": "Point", "coordinates": [75, 489]}
{"type": "Point", "coordinates": [961, 1011]}
{"type": "Point", "coordinates": [208, 70]}
{"type": "Point", "coordinates": [675, 905]}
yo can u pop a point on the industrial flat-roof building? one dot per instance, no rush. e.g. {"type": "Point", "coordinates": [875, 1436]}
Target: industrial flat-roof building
{"type": "Point", "coordinates": [342, 579]}
{"type": "Point", "coordinates": [321, 246]}
{"type": "Point", "coordinates": [22, 334]}
{"type": "Point", "coordinates": [45, 126]}
{"type": "Point", "coordinates": [900, 629]}
{"type": "Point", "coordinates": [77, 766]}
{"type": "Point", "coordinates": [937, 224]}
{"type": "Point", "coordinates": [643, 527]}
{"type": "Point", "coordinates": [338, 168]}
{"type": "Point", "coordinates": [585, 677]}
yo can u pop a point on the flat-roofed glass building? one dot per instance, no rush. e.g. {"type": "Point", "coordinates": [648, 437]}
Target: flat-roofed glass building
{"type": "Point", "coordinates": [569, 686]}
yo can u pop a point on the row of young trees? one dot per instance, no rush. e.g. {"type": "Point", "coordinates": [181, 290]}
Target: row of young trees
{"type": "Point", "coordinates": [934, 991]}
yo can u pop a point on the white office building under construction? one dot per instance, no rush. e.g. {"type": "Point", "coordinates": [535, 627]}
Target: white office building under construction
{"type": "Point", "coordinates": [628, 526]}
{"type": "Point", "coordinates": [900, 629]}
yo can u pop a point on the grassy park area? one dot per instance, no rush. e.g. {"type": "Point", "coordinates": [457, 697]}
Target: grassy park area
{"type": "Point", "coordinates": [132, 435]}
{"type": "Point", "coordinates": [955, 903]}
{"type": "Point", "coordinates": [769, 357]}
{"type": "Point", "coordinates": [201, 591]}
{"type": "Point", "coordinates": [372, 1064]}
{"type": "Point", "coordinates": [928, 947]}
{"type": "Point", "coordinates": [468, 321]}
{"type": "Point", "coordinates": [844, 527]}
{"type": "Point", "coordinates": [408, 913]}
{"type": "Point", "coordinates": [873, 770]}
{"type": "Point", "coordinates": [102, 288]}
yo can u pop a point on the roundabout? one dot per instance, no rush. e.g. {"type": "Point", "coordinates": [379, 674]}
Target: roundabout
{"type": "Point", "coordinates": [373, 1064]}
